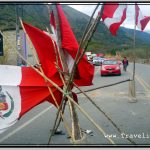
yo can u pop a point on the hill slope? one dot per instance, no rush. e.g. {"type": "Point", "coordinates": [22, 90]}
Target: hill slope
{"type": "Point", "coordinates": [102, 40]}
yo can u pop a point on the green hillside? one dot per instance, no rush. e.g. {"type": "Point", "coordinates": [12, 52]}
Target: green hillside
{"type": "Point", "coordinates": [102, 40]}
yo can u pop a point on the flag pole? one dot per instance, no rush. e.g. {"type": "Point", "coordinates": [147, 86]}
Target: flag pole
{"type": "Point", "coordinates": [132, 92]}
{"type": "Point", "coordinates": [60, 110]}
{"type": "Point", "coordinates": [60, 53]}
{"type": "Point", "coordinates": [90, 33]}
{"type": "Point", "coordinates": [134, 36]}
{"type": "Point", "coordinates": [76, 131]}
{"type": "Point", "coordinates": [76, 127]}
{"type": "Point", "coordinates": [50, 90]}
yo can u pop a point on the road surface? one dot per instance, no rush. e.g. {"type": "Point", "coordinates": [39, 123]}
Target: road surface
{"type": "Point", "coordinates": [132, 118]}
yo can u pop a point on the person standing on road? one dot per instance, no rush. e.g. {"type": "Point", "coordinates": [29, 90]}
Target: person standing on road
{"type": "Point", "coordinates": [125, 63]}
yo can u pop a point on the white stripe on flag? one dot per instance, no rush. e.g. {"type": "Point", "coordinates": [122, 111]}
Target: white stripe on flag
{"type": "Point", "coordinates": [116, 16]}
{"type": "Point", "coordinates": [10, 75]}
{"type": "Point", "coordinates": [10, 98]}
{"type": "Point", "coordinates": [70, 61]}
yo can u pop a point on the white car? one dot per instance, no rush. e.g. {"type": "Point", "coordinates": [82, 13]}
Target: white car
{"type": "Point", "coordinates": [98, 60]}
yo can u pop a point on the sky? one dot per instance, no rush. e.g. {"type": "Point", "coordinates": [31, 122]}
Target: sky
{"type": "Point", "coordinates": [129, 22]}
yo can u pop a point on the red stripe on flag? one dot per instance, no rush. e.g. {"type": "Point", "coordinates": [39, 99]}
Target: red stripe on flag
{"type": "Point", "coordinates": [34, 90]}
{"type": "Point", "coordinates": [109, 10]}
{"type": "Point", "coordinates": [141, 21]}
{"type": "Point", "coordinates": [144, 22]}
{"type": "Point", "coordinates": [44, 48]}
{"type": "Point", "coordinates": [114, 27]}
{"type": "Point", "coordinates": [52, 20]}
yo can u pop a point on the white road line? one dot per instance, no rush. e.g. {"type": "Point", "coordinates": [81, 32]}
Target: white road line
{"type": "Point", "coordinates": [142, 82]}
{"type": "Point", "coordinates": [25, 124]}
{"type": "Point", "coordinates": [146, 84]}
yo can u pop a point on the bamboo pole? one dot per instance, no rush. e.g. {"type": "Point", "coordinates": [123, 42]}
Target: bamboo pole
{"type": "Point", "coordinates": [55, 127]}
{"type": "Point", "coordinates": [82, 41]}
{"type": "Point", "coordinates": [74, 66]}
{"type": "Point", "coordinates": [85, 32]}
{"type": "Point", "coordinates": [100, 87]}
{"type": "Point", "coordinates": [51, 93]}
{"type": "Point", "coordinates": [69, 98]}
{"type": "Point", "coordinates": [90, 32]}
{"type": "Point", "coordinates": [76, 131]}
{"type": "Point", "coordinates": [72, 109]}
{"type": "Point", "coordinates": [78, 58]}
{"type": "Point", "coordinates": [113, 123]}
{"type": "Point", "coordinates": [59, 110]}
{"type": "Point", "coordinates": [78, 52]}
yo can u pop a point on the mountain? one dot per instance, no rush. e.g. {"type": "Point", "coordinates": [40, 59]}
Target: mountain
{"type": "Point", "coordinates": [143, 36]}
{"type": "Point", "coordinates": [37, 15]}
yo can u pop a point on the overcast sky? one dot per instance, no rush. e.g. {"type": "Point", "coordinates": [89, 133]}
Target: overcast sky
{"type": "Point", "coordinates": [129, 22]}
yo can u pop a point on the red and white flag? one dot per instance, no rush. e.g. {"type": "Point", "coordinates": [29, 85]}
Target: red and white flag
{"type": "Point", "coordinates": [113, 16]}
{"type": "Point", "coordinates": [21, 89]}
{"type": "Point", "coordinates": [69, 44]}
{"type": "Point", "coordinates": [141, 21]}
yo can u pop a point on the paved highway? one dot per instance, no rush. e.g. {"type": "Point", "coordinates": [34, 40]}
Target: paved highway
{"type": "Point", "coordinates": [132, 118]}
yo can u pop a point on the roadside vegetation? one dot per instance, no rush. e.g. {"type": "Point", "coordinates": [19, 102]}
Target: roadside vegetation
{"type": "Point", "coordinates": [141, 54]}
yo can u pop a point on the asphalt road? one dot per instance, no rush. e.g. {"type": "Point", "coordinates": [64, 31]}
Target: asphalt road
{"type": "Point", "coordinates": [132, 118]}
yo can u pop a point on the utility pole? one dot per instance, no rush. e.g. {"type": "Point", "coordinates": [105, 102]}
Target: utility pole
{"type": "Point", "coordinates": [18, 38]}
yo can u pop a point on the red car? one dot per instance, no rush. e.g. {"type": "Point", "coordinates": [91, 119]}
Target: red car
{"type": "Point", "coordinates": [110, 67]}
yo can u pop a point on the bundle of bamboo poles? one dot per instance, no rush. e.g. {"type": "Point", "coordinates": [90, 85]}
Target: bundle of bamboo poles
{"type": "Point", "coordinates": [75, 133]}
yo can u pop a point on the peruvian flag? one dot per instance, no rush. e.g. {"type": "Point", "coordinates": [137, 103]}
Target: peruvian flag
{"type": "Point", "coordinates": [85, 71]}
{"type": "Point", "coordinates": [21, 89]}
{"type": "Point", "coordinates": [141, 21]}
{"type": "Point", "coordinates": [113, 16]}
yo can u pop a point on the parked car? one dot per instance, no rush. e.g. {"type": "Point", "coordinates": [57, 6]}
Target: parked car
{"type": "Point", "coordinates": [97, 60]}
{"type": "Point", "coordinates": [110, 67]}
{"type": "Point", "coordinates": [89, 58]}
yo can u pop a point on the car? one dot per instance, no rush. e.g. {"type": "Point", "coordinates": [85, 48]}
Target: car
{"type": "Point", "coordinates": [110, 67]}
{"type": "Point", "coordinates": [97, 60]}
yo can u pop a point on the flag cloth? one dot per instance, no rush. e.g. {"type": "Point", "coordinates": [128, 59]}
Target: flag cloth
{"type": "Point", "coordinates": [19, 93]}
{"type": "Point", "coordinates": [141, 21]}
{"type": "Point", "coordinates": [85, 70]}
{"type": "Point", "coordinates": [44, 47]}
{"type": "Point", "coordinates": [53, 26]}
{"type": "Point", "coordinates": [113, 16]}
